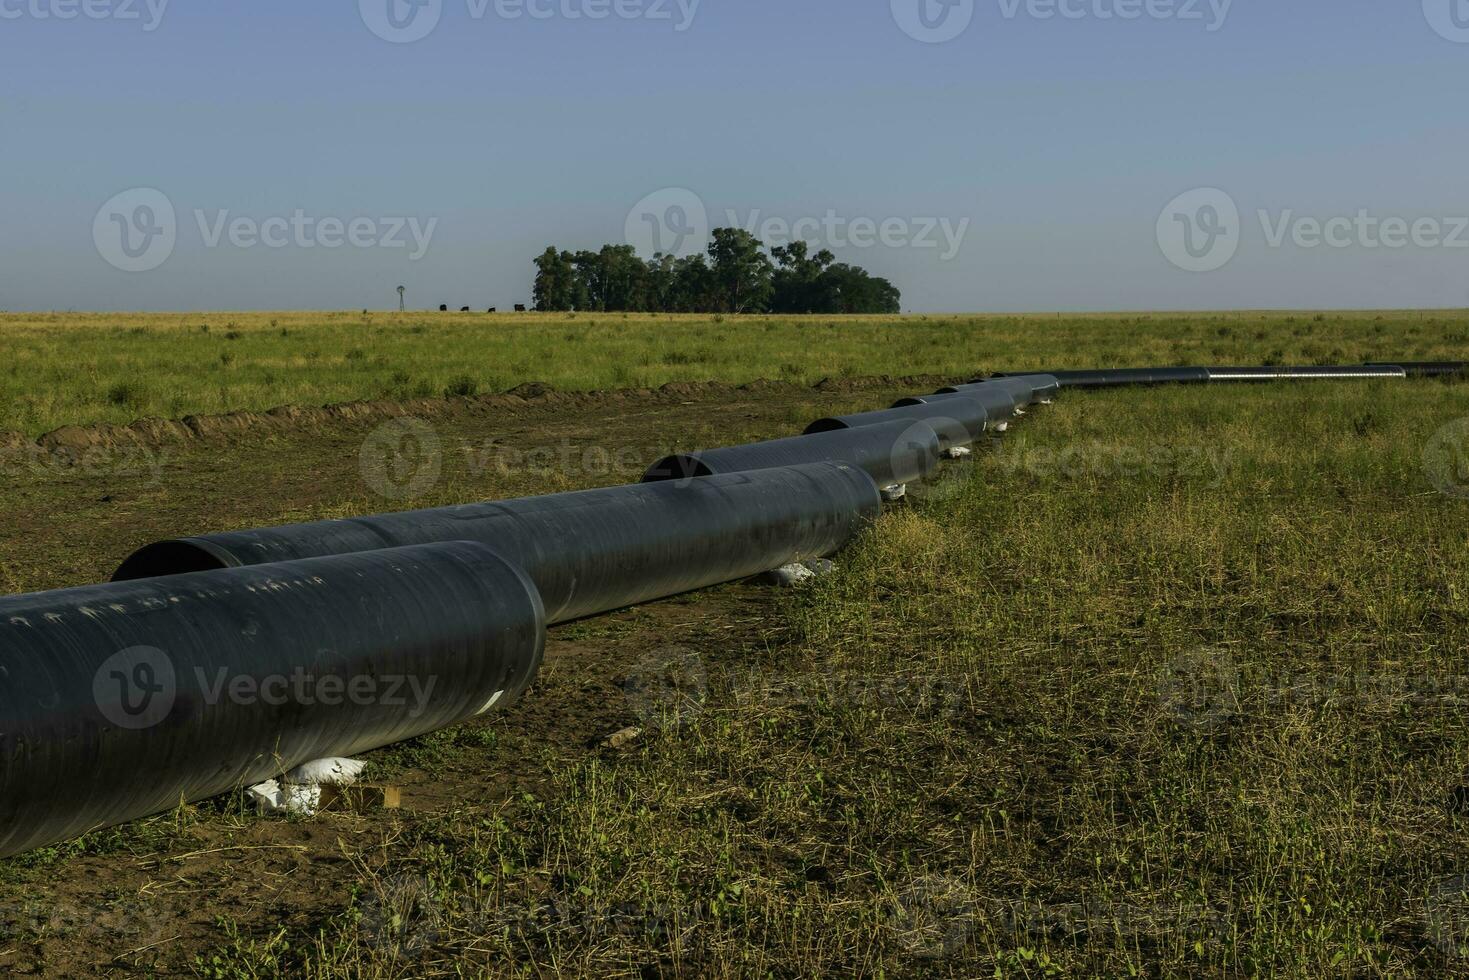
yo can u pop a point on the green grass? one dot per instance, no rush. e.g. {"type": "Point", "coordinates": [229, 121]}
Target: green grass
{"type": "Point", "coordinates": [79, 369]}
{"type": "Point", "coordinates": [1169, 683]}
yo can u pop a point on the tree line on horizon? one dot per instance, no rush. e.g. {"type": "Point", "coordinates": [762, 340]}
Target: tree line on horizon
{"type": "Point", "coordinates": [736, 277]}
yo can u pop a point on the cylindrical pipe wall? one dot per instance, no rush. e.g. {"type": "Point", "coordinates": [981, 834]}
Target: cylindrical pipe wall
{"type": "Point", "coordinates": [592, 551]}
{"type": "Point", "coordinates": [1427, 369]}
{"type": "Point", "coordinates": [121, 700]}
{"type": "Point", "coordinates": [1026, 390]}
{"type": "Point", "coordinates": [1304, 373]}
{"type": "Point", "coordinates": [1115, 377]}
{"type": "Point", "coordinates": [958, 421]}
{"type": "Point", "coordinates": [891, 453]}
{"type": "Point", "coordinates": [999, 404]}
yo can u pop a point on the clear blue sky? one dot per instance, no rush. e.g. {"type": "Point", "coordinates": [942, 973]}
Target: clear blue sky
{"type": "Point", "coordinates": [1060, 140]}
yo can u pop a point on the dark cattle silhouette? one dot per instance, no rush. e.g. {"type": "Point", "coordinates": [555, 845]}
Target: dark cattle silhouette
{"type": "Point", "coordinates": [519, 307]}
{"type": "Point", "coordinates": [464, 310]}
{"type": "Point", "coordinates": [443, 307]}
{"type": "Point", "coordinates": [492, 310]}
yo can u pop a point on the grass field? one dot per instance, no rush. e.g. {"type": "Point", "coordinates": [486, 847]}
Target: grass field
{"type": "Point", "coordinates": [80, 369]}
{"type": "Point", "coordinates": [1166, 682]}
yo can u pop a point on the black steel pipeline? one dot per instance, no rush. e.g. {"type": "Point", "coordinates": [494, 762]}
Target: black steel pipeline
{"type": "Point", "coordinates": [891, 453]}
{"type": "Point", "coordinates": [592, 551]}
{"type": "Point", "coordinates": [1217, 374]}
{"type": "Point", "coordinates": [1026, 390]}
{"type": "Point", "coordinates": [1428, 369]}
{"type": "Point", "coordinates": [958, 421]}
{"type": "Point", "coordinates": [121, 700]}
{"type": "Point", "coordinates": [998, 403]}
{"type": "Point", "coordinates": [1114, 377]}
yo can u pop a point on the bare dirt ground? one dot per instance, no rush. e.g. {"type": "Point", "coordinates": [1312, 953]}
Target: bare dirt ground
{"type": "Point", "coordinates": [148, 898]}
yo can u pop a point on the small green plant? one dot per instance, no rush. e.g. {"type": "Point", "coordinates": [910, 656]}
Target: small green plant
{"type": "Point", "coordinates": [128, 394]}
{"type": "Point", "coordinates": [244, 958]}
{"type": "Point", "coordinates": [462, 387]}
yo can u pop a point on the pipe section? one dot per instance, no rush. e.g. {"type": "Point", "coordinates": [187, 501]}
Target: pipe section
{"type": "Point", "coordinates": [891, 453]}
{"type": "Point", "coordinates": [1305, 373]}
{"type": "Point", "coordinates": [592, 551]}
{"type": "Point", "coordinates": [119, 701]}
{"type": "Point", "coordinates": [1428, 369]}
{"type": "Point", "coordinates": [1026, 389]}
{"type": "Point", "coordinates": [998, 403]}
{"type": "Point", "coordinates": [1202, 375]}
{"type": "Point", "coordinates": [957, 421]}
{"type": "Point", "coordinates": [1117, 377]}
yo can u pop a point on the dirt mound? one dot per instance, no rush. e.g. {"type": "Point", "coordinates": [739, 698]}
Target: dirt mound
{"type": "Point", "coordinates": [765, 384]}
{"type": "Point", "coordinates": [532, 390]}
{"type": "Point", "coordinates": [74, 440]}
{"type": "Point", "coordinates": [684, 389]}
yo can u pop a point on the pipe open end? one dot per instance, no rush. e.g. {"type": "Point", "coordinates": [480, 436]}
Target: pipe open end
{"type": "Point", "coordinates": [679, 467]}
{"type": "Point", "coordinates": [169, 558]}
{"type": "Point", "coordinates": [826, 425]}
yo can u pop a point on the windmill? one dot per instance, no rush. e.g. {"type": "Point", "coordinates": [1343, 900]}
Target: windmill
{"type": "Point", "coordinates": [401, 291]}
